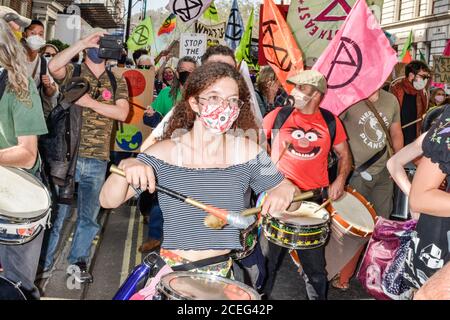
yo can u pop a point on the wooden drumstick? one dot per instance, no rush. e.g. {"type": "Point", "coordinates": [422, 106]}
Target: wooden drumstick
{"type": "Point", "coordinates": [300, 197]}
{"type": "Point", "coordinates": [323, 205]}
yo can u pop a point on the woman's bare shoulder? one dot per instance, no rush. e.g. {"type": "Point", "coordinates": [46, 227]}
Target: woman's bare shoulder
{"type": "Point", "coordinates": [162, 150]}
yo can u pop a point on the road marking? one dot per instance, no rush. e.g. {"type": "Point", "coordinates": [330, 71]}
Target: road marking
{"type": "Point", "coordinates": [140, 239]}
{"type": "Point", "coordinates": [128, 245]}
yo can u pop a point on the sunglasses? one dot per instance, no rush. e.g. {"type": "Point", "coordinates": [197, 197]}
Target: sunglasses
{"type": "Point", "coordinates": [144, 67]}
{"type": "Point", "coordinates": [96, 93]}
{"type": "Point", "coordinates": [49, 55]}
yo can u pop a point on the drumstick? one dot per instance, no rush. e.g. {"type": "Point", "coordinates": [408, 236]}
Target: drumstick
{"type": "Point", "coordinates": [413, 122]}
{"type": "Point", "coordinates": [232, 218]}
{"type": "Point", "coordinates": [323, 205]}
{"type": "Point", "coordinates": [300, 197]}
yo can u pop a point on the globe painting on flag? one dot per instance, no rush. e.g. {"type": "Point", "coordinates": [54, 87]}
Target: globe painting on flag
{"type": "Point", "coordinates": [129, 138]}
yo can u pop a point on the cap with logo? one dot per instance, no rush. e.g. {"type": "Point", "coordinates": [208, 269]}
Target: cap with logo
{"type": "Point", "coordinates": [10, 15]}
{"type": "Point", "coordinates": [311, 77]}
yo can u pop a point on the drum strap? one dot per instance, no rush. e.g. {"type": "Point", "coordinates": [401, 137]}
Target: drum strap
{"type": "Point", "coordinates": [3, 80]}
{"type": "Point", "coordinates": [366, 165]}
{"type": "Point", "coordinates": [202, 263]}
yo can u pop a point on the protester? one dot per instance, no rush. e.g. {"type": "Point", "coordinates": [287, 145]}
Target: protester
{"type": "Point", "coordinates": [304, 135]}
{"type": "Point", "coordinates": [21, 121]}
{"type": "Point", "coordinates": [33, 41]}
{"type": "Point", "coordinates": [412, 96]}
{"type": "Point", "coordinates": [48, 52]}
{"type": "Point", "coordinates": [190, 159]}
{"type": "Point", "coordinates": [437, 98]}
{"type": "Point", "coordinates": [106, 102]}
{"type": "Point", "coordinates": [369, 145]}
{"type": "Point", "coordinates": [428, 251]}
{"type": "Point", "coordinates": [145, 62]}
{"type": "Point", "coordinates": [267, 86]}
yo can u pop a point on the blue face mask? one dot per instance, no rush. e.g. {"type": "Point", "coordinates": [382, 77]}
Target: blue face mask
{"type": "Point", "coordinates": [92, 54]}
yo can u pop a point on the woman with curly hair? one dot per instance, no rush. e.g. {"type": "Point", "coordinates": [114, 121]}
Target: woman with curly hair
{"type": "Point", "coordinates": [21, 121]}
{"type": "Point", "coordinates": [204, 155]}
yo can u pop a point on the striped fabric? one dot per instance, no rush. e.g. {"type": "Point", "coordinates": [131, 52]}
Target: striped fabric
{"type": "Point", "coordinates": [225, 188]}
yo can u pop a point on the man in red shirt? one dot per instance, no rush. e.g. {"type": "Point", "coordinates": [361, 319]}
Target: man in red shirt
{"type": "Point", "coordinates": [301, 147]}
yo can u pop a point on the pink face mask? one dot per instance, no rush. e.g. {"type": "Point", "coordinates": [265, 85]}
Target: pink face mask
{"type": "Point", "coordinates": [219, 119]}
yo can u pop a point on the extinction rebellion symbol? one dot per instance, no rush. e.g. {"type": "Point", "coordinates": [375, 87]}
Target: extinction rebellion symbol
{"type": "Point", "coordinates": [187, 9]}
{"type": "Point", "coordinates": [348, 55]}
{"type": "Point", "coordinates": [281, 55]}
{"type": "Point", "coordinates": [141, 35]}
{"type": "Point", "coordinates": [236, 30]}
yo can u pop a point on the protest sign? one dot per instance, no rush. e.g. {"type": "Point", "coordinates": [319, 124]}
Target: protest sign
{"type": "Point", "coordinates": [193, 45]}
{"type": "Point", "coordinates": [441, 69]}
{"type": "Point", "coordinates": [132, 132]}
{"type": "Point", "coordinates": [215, 32]}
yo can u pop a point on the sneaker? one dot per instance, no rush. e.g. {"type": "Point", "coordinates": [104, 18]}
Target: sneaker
{"type": "Point", "coordinates": [149, 245]}
{"type": "Point", "coordinates": [43, 273]}
{"type": "Point", "coordinates": [80, 272]}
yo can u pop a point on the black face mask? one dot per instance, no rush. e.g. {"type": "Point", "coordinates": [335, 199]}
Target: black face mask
{"type": "Point", "coordinates": [182, 76]}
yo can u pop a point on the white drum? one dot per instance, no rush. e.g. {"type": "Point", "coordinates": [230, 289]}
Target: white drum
{"type": "Point", "coordinates": [24, 206]}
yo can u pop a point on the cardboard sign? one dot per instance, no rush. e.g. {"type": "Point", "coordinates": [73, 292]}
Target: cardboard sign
{"type": "Point", "coordinates": [193, 45]}
{"type": "Point", "coordinates": [441, 69]}
{"type": "Point", "coordinates": [215, 32]}
{"type": "Point", "coordinates": [132, 132]}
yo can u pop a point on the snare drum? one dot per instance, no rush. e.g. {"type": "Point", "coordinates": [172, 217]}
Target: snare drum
{"type": "Point", "coordinates": [24, 206]}
{"type": "Point", "coordinates": [185, 285]}
{"type": "Point", "coordinates": [352, 223]}
{"type": "Point", "coordinates": [300, 229]}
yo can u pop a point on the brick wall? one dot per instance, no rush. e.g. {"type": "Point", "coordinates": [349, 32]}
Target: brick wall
{"type": "Point", "coordinates": [17, 5]}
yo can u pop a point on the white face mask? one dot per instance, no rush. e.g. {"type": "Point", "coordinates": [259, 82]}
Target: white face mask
{"type": "Point", "coordinates": [35, 42]}
{"type": "Point", "coordinates": [420, 84]}
{"type": "Point", "coordinates": [301, 99]}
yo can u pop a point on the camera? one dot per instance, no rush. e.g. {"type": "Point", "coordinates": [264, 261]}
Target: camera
{"type": "Point", "coordinates": [111, 47]}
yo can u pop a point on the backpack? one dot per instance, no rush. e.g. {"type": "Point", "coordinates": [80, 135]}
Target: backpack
{"type": "Point", "coordinates": [330, 120]}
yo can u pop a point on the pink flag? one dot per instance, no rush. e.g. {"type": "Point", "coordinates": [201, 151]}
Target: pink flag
{"type": "Point", "coordinates": [357, 61]}
{"type": "Point", "coordinates": [446, 52]}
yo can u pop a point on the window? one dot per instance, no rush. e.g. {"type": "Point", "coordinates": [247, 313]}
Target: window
{"type": "Point", "coordinates": [406, 9]}
{"type": "Point", "coordinates": [423, 7]}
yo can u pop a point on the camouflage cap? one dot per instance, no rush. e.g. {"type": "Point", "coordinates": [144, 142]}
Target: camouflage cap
{"type": "Point", "coordinates": [311, 77]}
{"type": "Point", "coordinates": [10, 15]}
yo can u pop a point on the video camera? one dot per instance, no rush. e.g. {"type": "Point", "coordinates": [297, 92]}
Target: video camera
{"type": "Point", "coordinates": [111, 47]}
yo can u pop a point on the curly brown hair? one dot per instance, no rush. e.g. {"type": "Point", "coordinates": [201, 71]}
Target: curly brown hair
{"type": "Point", "coordinates": [203, 77]}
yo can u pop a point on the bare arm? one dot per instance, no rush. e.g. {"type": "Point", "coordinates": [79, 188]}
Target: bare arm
{"type": "Point", "coordinates": [117, 189]}
{"type": "Point", "coordinates": [119, 111]}
{"type": "Point", "coordinates": [397, 136]}
{"type": "Point", "coordinates": [425, 195]}
{"type": "Point", "coordinates": [396, 164]}
{"type": "Point", "coordinates": [57, 65]}
{"type": "Point", "coordinates": [336, 189]}
{"type": "Point", "coordinates": [21, 156]}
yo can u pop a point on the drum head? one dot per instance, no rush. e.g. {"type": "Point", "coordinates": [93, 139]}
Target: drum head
{"type": "Point", "coordinates": [22, 196]}
{"type": "Point", "coordinates": [352, 210]}
{"type": "Point", "coordinates": [197, 286]}
{"type": "Point", "coordinates": [304, 216]}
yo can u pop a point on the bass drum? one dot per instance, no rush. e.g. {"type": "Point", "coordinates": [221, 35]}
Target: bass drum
{"type": "Point", "coordinates": [10, 291]}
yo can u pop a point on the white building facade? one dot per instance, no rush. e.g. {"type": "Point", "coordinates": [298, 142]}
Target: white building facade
{"type": "Point", "coordinates": [429, 20]}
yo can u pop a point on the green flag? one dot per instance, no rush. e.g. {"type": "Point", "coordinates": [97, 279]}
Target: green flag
{"type": "Point", "coordinates": [211, 13]}
{"type": "Point", "coordinates": [405, 56]}
{"type": "Point", "coordinates": [142, 36]}
{"type": "Point", "coordinates": [243, 51]}
{"type": "Point", "coordinates": [422, 56]}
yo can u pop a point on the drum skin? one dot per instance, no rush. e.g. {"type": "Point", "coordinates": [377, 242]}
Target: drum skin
{"type": "Point", "coordinates": [345, 225]}
{"type": "Point", "coordinates": [186, 285]}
